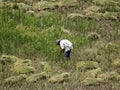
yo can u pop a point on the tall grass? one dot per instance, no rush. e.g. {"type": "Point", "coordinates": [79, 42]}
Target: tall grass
{"type": "Point", "coordinates": [27, 36]}
{"type": "Point", "coordinates": [37, 35]}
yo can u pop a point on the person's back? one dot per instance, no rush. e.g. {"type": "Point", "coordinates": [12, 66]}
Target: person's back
{"type": "Point", "coordinates": [66, 47]}
{"type": "Point", "coordinates": [66, 44]}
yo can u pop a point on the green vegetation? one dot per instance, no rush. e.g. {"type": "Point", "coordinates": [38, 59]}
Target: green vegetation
{"type": "Point", "coordinates": [28, 30]}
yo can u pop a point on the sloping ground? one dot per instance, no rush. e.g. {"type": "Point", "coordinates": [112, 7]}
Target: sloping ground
{"type": "Point", "coordinates": [91, 73]}
{"type": "Point", "coordinates": [31, 28]}
{"type": "Point", "coordinates": [107, 9]}
{"type": "Point", "coordinates": [24, 70]}
{"type": "Point", "coordinates": [19, 66]}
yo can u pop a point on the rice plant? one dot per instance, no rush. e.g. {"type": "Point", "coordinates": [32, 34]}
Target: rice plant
{"type": "Point", "coordinates": [33, 36]}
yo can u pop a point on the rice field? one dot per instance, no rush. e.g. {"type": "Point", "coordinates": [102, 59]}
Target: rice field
{"type": "Point", "coordinates": [31, 32]}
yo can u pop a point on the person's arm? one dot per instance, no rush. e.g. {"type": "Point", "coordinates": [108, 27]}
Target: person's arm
{"type": "Point", "coordinates": [62, 48]}
{"type": "Point", "coordinates": [61, 51]}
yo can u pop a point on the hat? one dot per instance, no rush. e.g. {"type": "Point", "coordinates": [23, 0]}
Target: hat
{"type": "Point", "coordinates": [57, 41]}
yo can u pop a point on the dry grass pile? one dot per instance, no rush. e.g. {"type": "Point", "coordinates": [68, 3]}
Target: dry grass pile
{"type": "Point", "coordinates": [42, 5]}
{"type": "Point", "coordinates": [109, 76]}
{"type": "Point", "coordinates": [75, 15]}
{"type": "Point", "coordinates": [15, 79]}
{"type": "Point", "coordinates": [97, 12]}
{"type": "Point", "coordinates": [45, 5]}
{"type": "Point", "coordinates": [105, 2]}
{"type": "Point", "coordinates": [17, 65]}
{"type": "Point", "coordinates": [97, 77]}
{"type": "Point", "coordinates": [104, 10]}
{"type": "Point", "coordinates": [115, 63]}
{"type": "Point", "coordinates": [92, 12]}
{"type": "Point", "coordinates": [92, 81]}
{"type": "Point", "coordinates": [59, 78]}
{"type": "Point", "coordinates": [92, 9]}
{"type": "Point", "coordinates": [23, 66]}
{"type": "Point", "coordinates": [110, 15]}
{"type": "Point", "coordinates": [85, 65]}
{"type": "Point", "coordinates": [45, 67]}
{"type": "Point", "coordinates": [67, 3]}
{"type": "Point", "coordinates": [93, 73]}
{"type": "Point", "coordinates": [8, 59]}
{"type": "Point", "coordinates": [107, 9]}
{"type": "Point", "coordinates": [90, 54]}
{"type": "Point", "coordinates": [22, 6]}
{"type": "Point", "coordinates": [23, 1]}
{"type": "Point", "coordinates": [37, 77]}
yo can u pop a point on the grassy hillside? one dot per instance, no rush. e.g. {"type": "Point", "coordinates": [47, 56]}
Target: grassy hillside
{"type": "Point", "coordinates": [28, 30]}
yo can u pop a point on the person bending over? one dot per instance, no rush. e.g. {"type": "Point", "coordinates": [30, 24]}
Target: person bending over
{"type": "Point", "coordinates": [66, 47]}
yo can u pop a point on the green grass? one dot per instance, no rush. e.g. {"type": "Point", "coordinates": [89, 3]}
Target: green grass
{"type": "Point", "coordinates": [36, 35]}
{"type": "Point", "coordinates": [32, 37]}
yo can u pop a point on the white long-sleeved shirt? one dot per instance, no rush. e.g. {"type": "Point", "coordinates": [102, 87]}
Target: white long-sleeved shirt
{"type": "Point", "coordinates": [66, 44]}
